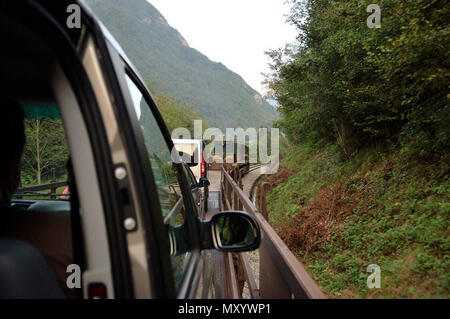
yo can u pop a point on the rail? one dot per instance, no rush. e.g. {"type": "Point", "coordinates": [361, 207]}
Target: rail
{"type": "Point", "coordinates": [34, 190]}
{"type": "Point", "coordinates": [281, 274]}
{"type": "Point", "coordinates": [254, 167]}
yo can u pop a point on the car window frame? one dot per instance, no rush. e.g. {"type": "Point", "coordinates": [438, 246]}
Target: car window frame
{"type": "Point", "coordinates": [161, 284]}
{"type": "Point", "coordinates": [188, 283]}
{"type": "Point", "coordinates": [194, 184]}
{"type": "Point", "coordinates": [195, 190]}
{"type": "Point", "coordinates": [59, 40]}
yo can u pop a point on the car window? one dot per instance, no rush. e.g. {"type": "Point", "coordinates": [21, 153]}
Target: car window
{"type": "Point", "coordinates": [45, 155]}
{"type": "Point", "coordinates": [164, 172]}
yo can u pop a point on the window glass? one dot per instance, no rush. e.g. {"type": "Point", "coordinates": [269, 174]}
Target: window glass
{"type": "Point", "coordinates": [164, 173]}
{"type": "Point", "coordinates": [194, 187]}
{"type": "Point", "coordinates": [189, 175]}
{"type": "Point", "coordinates": [45, 155]}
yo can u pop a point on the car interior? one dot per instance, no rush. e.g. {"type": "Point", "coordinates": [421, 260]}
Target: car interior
{"type": "Point", "coordinates": [37, 232]}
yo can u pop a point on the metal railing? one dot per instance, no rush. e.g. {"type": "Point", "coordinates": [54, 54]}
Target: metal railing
{"type": "Point", "coordinates": [36, 190]}
{"type": "Point", "coordinates": [281, 274]}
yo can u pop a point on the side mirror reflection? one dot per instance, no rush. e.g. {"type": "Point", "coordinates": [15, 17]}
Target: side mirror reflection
{"type": "Point", "coordinates": [234, 231]}
{"type": "Point", "coordinates": [229, 231]}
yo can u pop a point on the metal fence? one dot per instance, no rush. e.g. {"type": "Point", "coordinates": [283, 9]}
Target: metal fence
{"type": "Point", "coordinates": [36, 191]}
{"type": "Point", "coordinates": [281, 274]}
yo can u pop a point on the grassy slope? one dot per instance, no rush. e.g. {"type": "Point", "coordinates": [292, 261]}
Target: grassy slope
{"type": "Point", "coordinates": [380, 207]}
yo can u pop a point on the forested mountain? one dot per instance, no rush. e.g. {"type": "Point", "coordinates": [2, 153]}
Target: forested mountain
{"type": "Point", "coordinates": [168, 64]}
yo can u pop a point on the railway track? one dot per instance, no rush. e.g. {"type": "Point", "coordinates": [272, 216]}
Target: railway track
{"type": "Point", "coordinates": [254, 167]}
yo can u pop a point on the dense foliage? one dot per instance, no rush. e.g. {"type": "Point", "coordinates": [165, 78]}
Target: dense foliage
{"type": "Point", "coordinates": [176, 114]}
{"type": "Point", "coordinates": [162, 55]}
{"type": "Point", "coordinates": [356, 85]}
{"type": "Point", "coordinates": [365, 179]}
{"type": "Point", "coordinates": [46, 152]}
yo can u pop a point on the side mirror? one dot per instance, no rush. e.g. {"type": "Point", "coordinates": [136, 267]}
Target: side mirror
{"type": "Point", "coordinates": [203, 182]}
{"type": "Point", "coordinates": [231, 231]}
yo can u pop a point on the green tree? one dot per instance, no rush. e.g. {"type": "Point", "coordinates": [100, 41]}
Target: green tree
{"type": "Point", "coordinates": [175, 113]}
{"type": "Point", "coordinates": [45, 148]}
{"type": "Point", "coordinates": [347, 83]}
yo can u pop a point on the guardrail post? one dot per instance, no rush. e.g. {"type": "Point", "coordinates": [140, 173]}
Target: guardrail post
{"type": "Point", "coordinates": [20, 186]}
{"type": "Point", "coordinates": [232, 282]}
{"type": "Point", "coordinates": [53, 189]}
{"type": "Point", "coordinates": [241, 186]}
{"type": "Point", "coordinates": [235, 196]}
{"type": "Point", "coordinates": [230, 190]}
{"type": "Point", "coordinates": [266, 187]}
{"type": "Point", "coordinates": [240, 205]}
{"type": "Point", "coordinates": [259, 196]}
{"type": "Point", "coordinates": [240, 273]}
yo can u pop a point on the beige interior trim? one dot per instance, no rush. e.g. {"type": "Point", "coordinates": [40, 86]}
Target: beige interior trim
{"type": "Point", "coordinates": [136, 240]}
{"type": "Point", "coordinates": [92, 217]}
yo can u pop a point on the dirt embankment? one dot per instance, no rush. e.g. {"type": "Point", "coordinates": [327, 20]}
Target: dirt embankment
{"type": "Point", "coordinates": [314, 224]}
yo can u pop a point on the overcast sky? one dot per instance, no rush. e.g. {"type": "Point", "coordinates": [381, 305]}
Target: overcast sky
{"type": "Point", "coordinates": [234, 32]}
